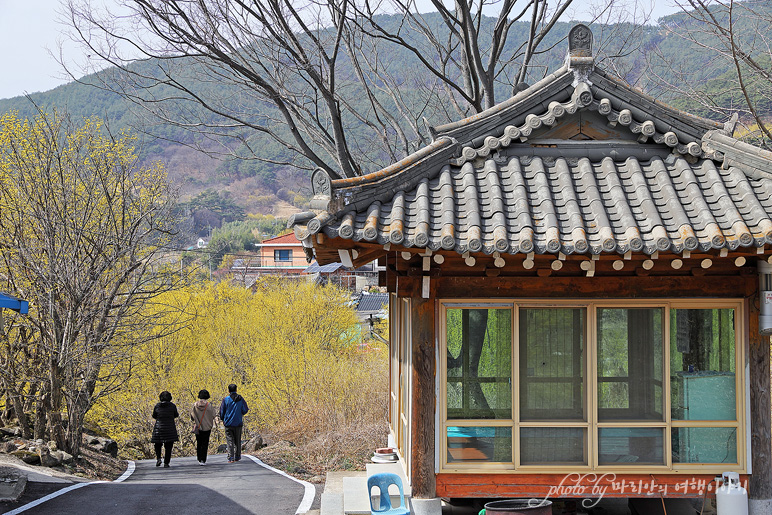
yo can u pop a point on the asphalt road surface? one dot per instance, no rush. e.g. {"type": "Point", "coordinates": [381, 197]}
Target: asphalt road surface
{"type": "Point", "coordinates": [186, 487]}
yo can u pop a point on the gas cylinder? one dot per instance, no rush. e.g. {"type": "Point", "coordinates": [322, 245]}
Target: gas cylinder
{"type": "Point", "coordinates": [731, 498]}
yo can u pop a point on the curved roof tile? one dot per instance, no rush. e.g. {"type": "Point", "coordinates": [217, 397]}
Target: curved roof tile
{"type": "Point", "coordinates": [553, 205]}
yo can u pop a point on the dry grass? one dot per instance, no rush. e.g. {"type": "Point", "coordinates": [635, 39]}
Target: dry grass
{"type": "Point", "coordinates": [97, 465]}
{"type": "Point", "coordinates": [325, 436]}
{"type": "Point", "coordinates": [309, 457]}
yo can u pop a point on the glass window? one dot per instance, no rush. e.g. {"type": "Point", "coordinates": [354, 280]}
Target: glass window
{"type": "Point", "coordinates": [704, 444]}
{"type": "Point", "coordinates": [630, 364]}
{"type": "Point", "coordinates": [282, 255]}
{"type": "Point", "coordinates": [554, 445]}
{"type": "Point", "coordinates": [479, 444]}
{"type": "Point", "coordinates": [479, 363]}
{"type": "Point", "coordinates": [566, 419]}
{"type": "Point", "coordinates": [702, 364]}
{"type": "Point", "coordinates": [552, 364]}
{"type": "Point", "coordinates": [631, 445]}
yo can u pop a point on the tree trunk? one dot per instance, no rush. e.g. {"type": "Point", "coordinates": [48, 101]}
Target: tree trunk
{"type": "Point", "coordinates": [74, 435]}
{"type": "Point", "coordinates": [55, 428]}
{"type": "Point", "coordinates": [18, 408]}
{"type": "Point", "coordinates": [40, 416]}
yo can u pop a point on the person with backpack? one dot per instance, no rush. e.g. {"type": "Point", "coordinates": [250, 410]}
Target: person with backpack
{"type": "Point", "coordinates": [232, 410]}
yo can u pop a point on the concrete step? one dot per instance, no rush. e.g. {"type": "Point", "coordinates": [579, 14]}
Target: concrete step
{"type": "Point", "coordinates": [332, 503]}
{"type": "Point", "coordinates": [356, 500]}
{"type": "Point", "coordinates": [345, 493]}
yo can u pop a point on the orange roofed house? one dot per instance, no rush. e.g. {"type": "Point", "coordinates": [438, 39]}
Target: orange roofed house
{"type": "Point", "coordinates": [282, 255]}
{"type": "Point", "coordinates": [579, 284]}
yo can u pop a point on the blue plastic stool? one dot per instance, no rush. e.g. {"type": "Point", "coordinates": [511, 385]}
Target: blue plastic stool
{"type": "Point", "coordinates": [382, 481]}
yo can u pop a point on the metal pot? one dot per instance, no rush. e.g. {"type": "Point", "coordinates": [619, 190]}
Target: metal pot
{"type": "Point", "coordinates": [518, 507]}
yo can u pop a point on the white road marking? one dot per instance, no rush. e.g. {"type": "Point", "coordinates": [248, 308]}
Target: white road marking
{"type": "Point", "coordinates": [38, 502]}
{"type": "Point", "coordinates": [310, 490]}
{"type": "Point", "coordinates": [125, 475]}
{"type": "Point", "coordinates": [305, 503]}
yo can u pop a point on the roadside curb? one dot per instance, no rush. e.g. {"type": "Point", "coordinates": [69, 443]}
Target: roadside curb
{"type": "Point", "coordinates": [308, 495]}
{"type": "Point", "coordinates": [129, 471]}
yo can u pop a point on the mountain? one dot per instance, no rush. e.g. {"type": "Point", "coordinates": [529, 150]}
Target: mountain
{"type": "Point", "coordinates": [257, 187]}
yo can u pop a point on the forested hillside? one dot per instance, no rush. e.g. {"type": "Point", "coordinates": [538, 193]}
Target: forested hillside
{"type": "Point", "coordinates": [663, 64]}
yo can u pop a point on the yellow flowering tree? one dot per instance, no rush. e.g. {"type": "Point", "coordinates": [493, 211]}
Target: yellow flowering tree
{"type": "Point", "coordinates": [82, 228]}
{"type": "Point", "coordinates": [291, 347]}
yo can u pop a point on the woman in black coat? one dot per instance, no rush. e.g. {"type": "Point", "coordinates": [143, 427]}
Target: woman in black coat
{"type": "Point", "coordinates": [165, 429]}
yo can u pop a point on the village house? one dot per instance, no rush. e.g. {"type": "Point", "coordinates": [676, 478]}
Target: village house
{"type": "Point", "coordinates": [281, 255]}
{"type": "Point", "coordinates": [574, 279]}
{"type": "Point", "coordinates": [284, 256]}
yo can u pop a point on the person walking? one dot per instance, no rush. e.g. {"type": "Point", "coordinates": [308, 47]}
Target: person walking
{"type": "Point", "coordinates": [232, 410]}
{"type": "Point", "coordinates": [165, 428]}
{"type": "Point", "coordinates": [202, 414]}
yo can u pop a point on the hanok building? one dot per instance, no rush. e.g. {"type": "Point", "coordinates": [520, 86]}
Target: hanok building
{"type": "Point", "coordinates": [574, 280]}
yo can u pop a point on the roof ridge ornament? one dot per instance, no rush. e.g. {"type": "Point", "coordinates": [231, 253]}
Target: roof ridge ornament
{"type": "Point", "coordinates": [731, 125]}
{"type": "Point", "coordinates": [321, 184]}
{"type": "Point", "coordinates": [579, 58]}
{"type": "Point", "coordinates": [321, 187]}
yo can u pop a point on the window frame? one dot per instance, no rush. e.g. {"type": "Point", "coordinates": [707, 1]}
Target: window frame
{"type": "Point", "coordinates": [277, 253]}
{"type": "Point", "coordinates": [590, 370]}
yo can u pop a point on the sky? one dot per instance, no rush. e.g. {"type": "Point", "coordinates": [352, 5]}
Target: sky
{"type": "Point", "coordinates": [29, 33]}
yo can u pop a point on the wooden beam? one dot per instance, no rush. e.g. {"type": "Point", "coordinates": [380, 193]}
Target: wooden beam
{"type": "Point", "coordinates": [761, 417]}
{"type": "Point", "coordinates": [422, 417]}
{"type": "Point", "coordinates": [580, 486]}
{"type": "Point", "coordinates": [367, 255]}
{"type": "Point", "coordinates": [391, 277]}
{"type": "Point", "coordinates": [631, 286]}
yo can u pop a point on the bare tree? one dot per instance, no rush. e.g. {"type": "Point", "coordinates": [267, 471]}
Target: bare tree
{"type": "Point", "coordinates": [735, 36]}
{"type": "Point", "coordinates": [329, 75]}
{"type": "Point", "coordinates": [82, 229]}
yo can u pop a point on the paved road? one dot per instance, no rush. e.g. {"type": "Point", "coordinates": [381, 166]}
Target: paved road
{"type": "Point", "coordinates": [185, 488]}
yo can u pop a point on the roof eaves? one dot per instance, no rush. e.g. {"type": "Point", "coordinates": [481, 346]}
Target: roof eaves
{"type": "Point", "coordinates": [357, 193]}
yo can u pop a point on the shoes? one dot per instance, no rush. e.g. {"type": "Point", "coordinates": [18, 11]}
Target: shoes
{"type": "Point", "coordinates": [158, 463]}
{"type": "Point", "coordinates": [231, 461]}
{"type": "Point", "coordinates": [202, 463]}
{"type": "Point", "coordinates": [166, 465]}
{"type": "Point", "coordinates": [237, 459]}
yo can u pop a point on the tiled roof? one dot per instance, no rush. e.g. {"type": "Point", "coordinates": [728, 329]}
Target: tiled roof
{"type": "Point", "coordinates": [288, 238]}
{"type": "Point", "coordinates": [577, 163]}
{"type": "Point", "coordinates": [557, 204]}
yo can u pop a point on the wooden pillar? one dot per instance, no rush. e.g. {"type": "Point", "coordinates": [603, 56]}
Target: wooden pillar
{"type": "Point", "coordinates": [760, 486]}
{"type": "Point", "coordinates": [423, 481]}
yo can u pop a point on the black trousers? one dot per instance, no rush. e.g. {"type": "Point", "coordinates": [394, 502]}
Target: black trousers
{"type": "Point", "coordinates": [168, 451]}
{"type": "Point", "coordinates": [233, 440]}
{"type": "Point", "coordinates": [202, 445]}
